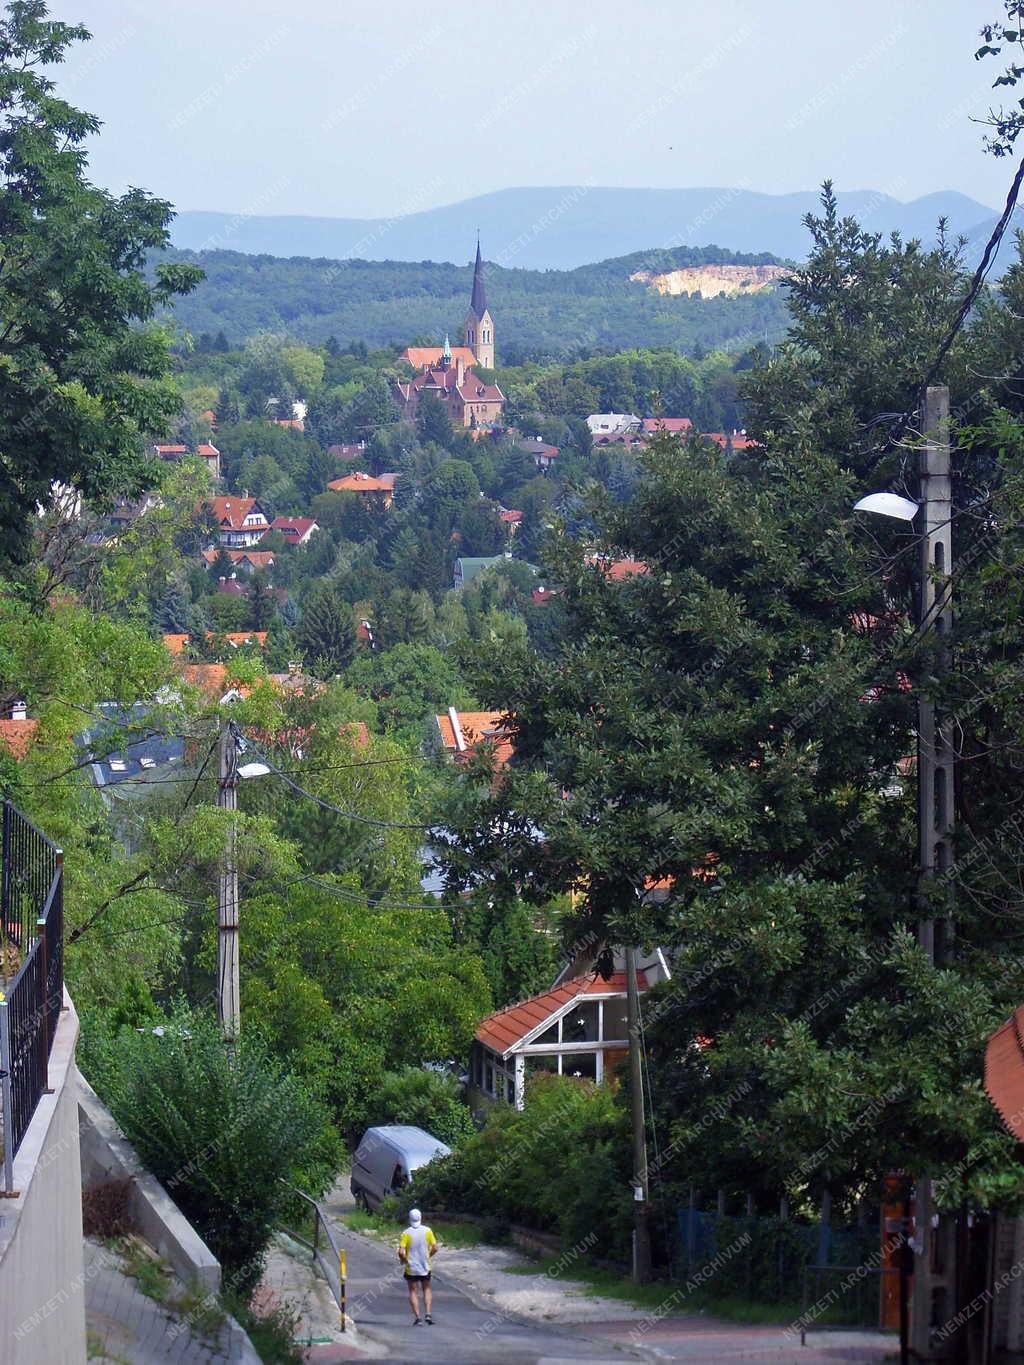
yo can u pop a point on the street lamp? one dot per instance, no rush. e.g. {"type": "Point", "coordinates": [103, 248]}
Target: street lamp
{"type": "Point", "coordinates": [230, 746]}
{"type": "Point", "coordinates": [935, 772]}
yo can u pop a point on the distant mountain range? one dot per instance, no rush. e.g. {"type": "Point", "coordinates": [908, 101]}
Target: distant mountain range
{"type": "Point", "coordinates": [561, 228]}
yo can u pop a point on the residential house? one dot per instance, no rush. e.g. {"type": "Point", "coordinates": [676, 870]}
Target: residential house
{"type": "Point", "coordinates": [381, 486]}
{"type": "Point", "coordinates": [347, 450]}
{"type": "Point", "coordinates": [616, 570]}
{"type": "Point", "coordinates": [241, 522]}
{"type": "Point", "coordinates": [296, 530]}
{"type": "Point", "coordinates": [613, 423]}
{"type": "Point", "coordinates": [173, 451]}
{"type": "Point", "coordinates": [211, 455]}
{"type": "Point", "coordinates": [677, 426]}
{"type": "Point", "coordinates": [736, 440]}
{"type": "Point", "coordinates": [242, 561]}
{"type": "Point", "coordinates": [578, 1028]}
{"type": "Point", "coordinates": [511, 519]}
{"type": "Point", "coordinates": [462, 733]}
{"type": "Point", "coordinates": [176, 644]}
{"type": "Point", "coordinates": [544, 455]}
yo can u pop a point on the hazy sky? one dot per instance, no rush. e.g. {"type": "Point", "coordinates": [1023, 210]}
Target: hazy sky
{"type": "Point", "coordinates": [345, 109]}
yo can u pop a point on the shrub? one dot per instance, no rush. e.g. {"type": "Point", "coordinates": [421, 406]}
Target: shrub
{"type": "Point", "coordinates": [219, 1127]}
{"type": "Point", "coordinates": [428, 1099]}
{"type": "Point", "coordinates": [561, 1164]}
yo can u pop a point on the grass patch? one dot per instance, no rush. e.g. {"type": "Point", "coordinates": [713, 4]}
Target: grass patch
{"type": "Point", "coordinates": [610, 1284]}
{"type": "Point", "coordinates": [456, 1235]}
{"type": "Point", "coordinates": [273, 1335]}
{"type": "Point", "coordinates": [152, 1276]}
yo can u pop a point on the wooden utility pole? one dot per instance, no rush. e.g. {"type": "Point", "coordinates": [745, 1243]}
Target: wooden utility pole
{"type": "Point", "coordinates": [641, 1228]}
{"type": "Point", "coordinates": [228, 1008]}
{"type": "Point", "coordinates": [935, 1268]}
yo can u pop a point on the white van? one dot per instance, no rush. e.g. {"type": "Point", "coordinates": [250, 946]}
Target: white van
{"type": "Point", "coordinates": [386, 1158]}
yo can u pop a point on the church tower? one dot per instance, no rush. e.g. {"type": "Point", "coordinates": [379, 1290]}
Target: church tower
{"type": "Point", "coordinates": [478, 330]}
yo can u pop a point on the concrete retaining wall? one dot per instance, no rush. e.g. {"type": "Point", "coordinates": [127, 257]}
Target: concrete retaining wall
{"type": "Point", "coordinates": [108, 1155]}
{"type": "Point", "coordinates": [42, 1282]}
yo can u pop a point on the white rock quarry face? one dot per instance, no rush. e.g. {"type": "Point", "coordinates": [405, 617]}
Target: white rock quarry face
{"type": "Point", "coordinates": [712, 280]}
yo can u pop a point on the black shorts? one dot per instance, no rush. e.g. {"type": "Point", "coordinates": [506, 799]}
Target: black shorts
{"type": "Point", "coordinates": [418, 1279]}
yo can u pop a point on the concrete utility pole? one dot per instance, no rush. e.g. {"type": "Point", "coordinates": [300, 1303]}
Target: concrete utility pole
{"type": "Point", "coordinates": [935, 1262]}
{"type": "Point", "coordinates": [641, 1229]}
{"type": "Point", "coordinates": [228, 1008]}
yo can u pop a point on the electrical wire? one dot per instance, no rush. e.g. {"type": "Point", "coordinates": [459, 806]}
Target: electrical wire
{"type": "Point", "coordinates": [320, 801]}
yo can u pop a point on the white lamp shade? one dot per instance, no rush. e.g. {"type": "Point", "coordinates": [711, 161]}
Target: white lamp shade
{"type": "Point", "coordinates": [888, 505]}
{"type": "Point", "coordinates": [253, 770]}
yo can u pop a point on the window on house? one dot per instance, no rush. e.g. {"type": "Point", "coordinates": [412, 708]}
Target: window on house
{"type": "Point", "coordinates": [536, 1062]}
{"type": "Point", "coordinates": [582, 1065]}
{"type": "Point", "coordinates": [580, 1024]}
{"type": "Point", "coordinates": [550, 1035]}
{"type": "Point", "coordinates": [615, 1026]}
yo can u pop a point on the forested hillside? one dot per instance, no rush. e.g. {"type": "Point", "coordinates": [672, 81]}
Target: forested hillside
{"type": "Point", "coordinates": [538, 313]}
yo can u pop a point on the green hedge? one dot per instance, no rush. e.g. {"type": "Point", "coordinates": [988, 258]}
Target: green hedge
{"type": "Point", "coordinates": [560, 1165]}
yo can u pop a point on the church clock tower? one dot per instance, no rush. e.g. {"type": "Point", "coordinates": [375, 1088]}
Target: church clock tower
{"type": "Point", "coordinates": [478, 330]}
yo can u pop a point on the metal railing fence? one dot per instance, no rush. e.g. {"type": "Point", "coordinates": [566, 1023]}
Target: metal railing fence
{"type": "Point", "coordinates": [31, 972]}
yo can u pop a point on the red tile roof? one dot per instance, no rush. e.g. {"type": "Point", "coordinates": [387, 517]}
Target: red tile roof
{"type": "Point", "coordinates": [294, 528]}
{"type": "Point", "coordinates": [737, 439]}
{"type": "Point", "coordinates": [542, 595]}
{"type": "Point", "coordinates": [162, 448]}
{"type": "Point", "coordinates": [421, 356]}
{"type": "Point", "coordinates": [615, 570]}
{"type": "Point", "coordinates": [16, 735]}
{"type": "Point", "coordinates": [259, 559]}
{"type": "Point", "coordinates": [506, 1028]}
{"type": "Point", "coordinates": [510, 515]}
{"type": "Point", "coordinates": [478, 728]}
{"type": "Point", "coordinates": [232, 512]}
{"type": "Point", "coordinates": [677, 425]}
{"type": "Point", "coordinates": [359, 482]}
{"type": "Point", "coordinates": [208, 452]}
{"type": "Point", "coordinates": [1004, 1072]}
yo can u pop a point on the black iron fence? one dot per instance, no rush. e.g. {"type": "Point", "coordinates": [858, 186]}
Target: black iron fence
{"type": "Point", "coordinates": [31, 971]}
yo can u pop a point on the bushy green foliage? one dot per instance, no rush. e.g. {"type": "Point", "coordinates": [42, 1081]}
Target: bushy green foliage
{"type": "Point", "coordinates": [219, 1127]}
{"type": "Point", "coordinates": [427, 1098]}
{"type": "Point", "coordinates": [561, 1164]}
{"type": "Point", "coordinates": [81, 381]}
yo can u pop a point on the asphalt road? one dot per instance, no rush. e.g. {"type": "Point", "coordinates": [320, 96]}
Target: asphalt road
{"type": "Point", "coordinates": [462, 1332]}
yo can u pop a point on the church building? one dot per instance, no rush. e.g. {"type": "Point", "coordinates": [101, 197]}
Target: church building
{"type": "Point", "coordinates": [447, 371]}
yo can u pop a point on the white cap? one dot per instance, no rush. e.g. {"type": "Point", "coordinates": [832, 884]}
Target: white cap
{"type": "Point", "coordinates": [415, 1217]}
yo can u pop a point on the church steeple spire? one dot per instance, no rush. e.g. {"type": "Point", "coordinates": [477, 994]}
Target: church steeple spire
{"type": "Point", "coordinates": [446, 353]}
{"type": "Point", "coordinates": [478, 302]}
{"type": "Point", "coordinates": [478, 329]}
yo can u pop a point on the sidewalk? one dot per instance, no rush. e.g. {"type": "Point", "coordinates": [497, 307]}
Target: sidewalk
{"type": "Point", "coordinates": [125, 1325]}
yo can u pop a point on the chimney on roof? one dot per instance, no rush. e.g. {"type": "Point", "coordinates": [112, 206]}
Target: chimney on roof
{"type": "Point", "coordinates": [460, 741]}
{"type": "Point", "coordinates": [459, 371]}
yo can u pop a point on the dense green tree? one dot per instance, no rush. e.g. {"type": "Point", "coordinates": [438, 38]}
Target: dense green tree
{"type": "Point", "coordinates": [432, 421]}
{"type": "Point", "coordinates": [326, 632]}
{"type": "Point", "coordinates": [409, 683]}
{"type": "Point", "coordinates": [262, 602]}
{"type": "Point", "coordinates": [80, 379]}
